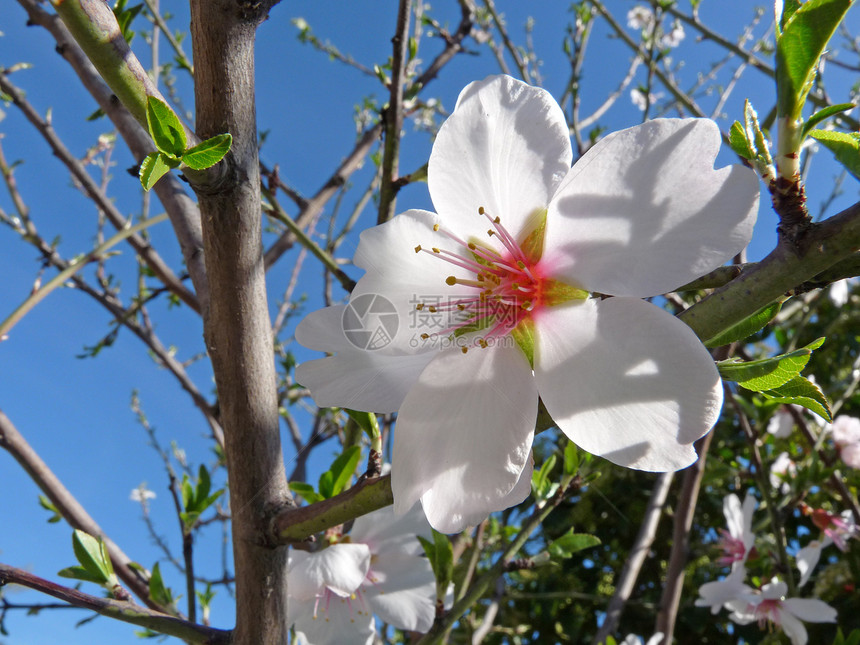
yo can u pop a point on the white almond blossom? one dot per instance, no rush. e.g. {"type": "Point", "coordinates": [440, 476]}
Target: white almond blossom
{"type": "Point", "coordinates": [789, 614]}
{"type": "Point", "coordinates": [494, 305]}
{"type": "Point", "coordinates": [640, 17]}
{"type": "Point", "coordinates": [846, 436]}
{"type": "Point", "coordinates": [715, 595]}
{"type": "Point", "coordinates": [738, 541]}
{"type": "Point", "coordinates": [377, 570]}
{"type": "Point", "coordinates": [141, 494]}
{"type": "Point", "coordinates": [781, 424]}
{"type": "Point", "coordinates": [637, 97]}
{"type": "Point", "coordinates": [807, 558]}
{"type": "Point", "coordinates": [782, 469]}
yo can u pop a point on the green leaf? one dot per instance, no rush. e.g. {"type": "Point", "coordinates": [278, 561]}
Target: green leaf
{"type": "Point", "coordinates": [366, 421]}
{"type": "Point", "coordinates": [540, 478]}
{"type": "Point", "coordinates": [571, 458]}
{"type": "Point", "coordinates": [160, 594]}
{"type": "Point", "coordinates": [568, 544]}
{"type": "Point", "coordinates": [739, 143]}
{"type": "Point", "coordinates": [768, 373]}
{"type": "Point", "coordinates": [208, 153]}
{"type": "Point", "coordinates": [79, 573]}
{"type": "Point", "coordinates": [92, 555]}
{"type": "Point", "coordinates": [803, 40]}
{"type": "Point", "coordinates": [45, 503]}
{"type": "Point", "coordinates": [440, 553]}
{"type": "Point", "coordinates": [844, 145]}
{"type": "Point", "coordinates": [826, 113]}
{"type": "Point", "coordinates": [154, 166]}
{"type": "Point", "coordinates": [165, 127]}
{"type": "Point", "coordinates": [746, 327]}
{"type": "Point", "coordinates": [802, 392]}
{"type": "Point", "coordinates": [343, 469]}
{"type": "Point", "coordinates": [788, 9]}
{"type": "Point", "coordinates": [306, 492]}
{"type": "Point", "coordinates": [326, 484]}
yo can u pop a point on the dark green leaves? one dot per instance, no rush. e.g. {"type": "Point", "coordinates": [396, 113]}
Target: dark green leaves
{"type": "Point", "coordinates": [168, 134]}
{"type": "Point", "coordinates": [806, 30]}
{"type": "Point", "coordinates": [158, 592]}
{"type": "Point", "coordinates": [441, 556]}
{"type": "Point", "coordinates": [802, 392]}
{"type": "Point", "coordinates": [569, 543]}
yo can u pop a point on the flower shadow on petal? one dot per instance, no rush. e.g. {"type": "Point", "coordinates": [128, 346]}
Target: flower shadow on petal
{"type": "Point", "coordinates": [665, 220]}
{"type": "Point", "coordinates": [638, 392]}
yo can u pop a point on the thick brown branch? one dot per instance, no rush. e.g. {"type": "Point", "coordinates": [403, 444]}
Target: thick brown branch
{"type": "Point", "coordinates": [237, 327]}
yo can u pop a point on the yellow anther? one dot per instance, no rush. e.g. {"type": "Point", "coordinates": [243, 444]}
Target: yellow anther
{"type": "Point", "coordinates": [419, 306]}
{"type": "Point", "coordinates": [464, 349]}
{"type": "Point", "coordinates": [484, 344]}
{"type": "Point", "coordinates": [497, 220]}
{"type": "Point", "coordinates": [450, 281]}
{"type": "Point", "coordinates": [491, 233]}
{"type": "Point", "coordinates": [418, 249]}
{"type": "Point", "coordinates": [472, 246]}
{"type": "Point", "coordinates": [521, 264]}
{"type": "Point", "coordinates": [432, 309]}
{"type": "Point", "coordinates": [435, 250]}
{"type": "Point", "coordinates": [480, 210]}
{"type": "Point", "coordinates": [461, 307]}
{"type": "Point", "coordinates": [480, 277]}
{"type": "Point", "coordinates": [436, 227]}
{"type": "Point", "coordinates": [425, 336]}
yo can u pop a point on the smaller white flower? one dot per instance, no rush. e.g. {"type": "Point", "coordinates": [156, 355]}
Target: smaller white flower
{"type": "Point", "coordinates": [633, 639]}
{"type": "Point", "coordinates": [637, 97]}
{"type": "Point", "coordinates": [674, 37]}
{"type": "Point", "coordinates": [640, 17]}
{"type": "Point", "coordinates": [141, 494]}
{"type": "Point", "coordinates": [771, 605]}
{"type": "Point", "coordinates": [808, 557]}
{"type": "Point", "coordinates": [781, 424]}
{"type": "Point", "coordinates": [839, 293]}
{"type": "Point", "coordinates": [782, 469]}
{"type": "Point", "coordinates": [378, 569]}
{"type": "Point", "coordinates": [715, 595]}
{"type": "Point", "coordinates": [846, 436]}
{"type": "Point", "coordinates": [738, 541]}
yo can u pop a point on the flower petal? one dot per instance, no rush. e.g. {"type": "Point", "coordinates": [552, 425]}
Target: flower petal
{"type": "Point", "coordinates": [810, 610]}
{"type": "Point", "coordinates": [793, 628]}
{"type": "Point", "coordinates": [361, 380]}
{"type": "Point", "coordinates": [406, 278]}
{"type": "Point", "coordinates": [625, 380]}
{"type": "Point", "coordinates": [644, 211]}
{"type": "Point", "coordinates": [506, 147]}
{"type": "Point", "coordinates": [332, 621]}
{"type": "Point", "coordinates": [341, 568]}
{"type": "Point", "coordinates": [322, 330]}
{"type": "Point", "coordinates": [383, 531]}
{"type": "Point", "coordinates": [464, 434]}
{"type": "Point", "coordinates": [404, 593]}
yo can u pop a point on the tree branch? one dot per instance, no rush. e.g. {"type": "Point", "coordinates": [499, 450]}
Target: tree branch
{"type": "Point", "coordinates": [125, 611]}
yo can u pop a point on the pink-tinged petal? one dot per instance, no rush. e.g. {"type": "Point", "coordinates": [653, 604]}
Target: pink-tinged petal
{"type": "Point", "coordinates": [371, 381]}
{"type": "Point", "coordinates": [506, 147]}
{"type": "Point", "coordinates": [401, 590]}
{"type": "Point", "coordinates": [810, 610]}
{"type": "Point", "coordinates": [850, 455]}
{"type": "Point", "coordinates": [340, 568]}
{"type": "Point", "coordinates": [644, 211]}
{"type": "Point", "coordinates": [332, 621]}
{"type": "Point", "coordinates": [627, 381]}
{"type": "Point", "coordinates": [406, 278]}
{"type": "Point", "coordinates": [384, 531]}
{"type": "Point", "coordinates": [464, 434]}
{"type": "Point", "coordinates": [846, 430]}
{"type": "Point", "coordinates": [793, 628]}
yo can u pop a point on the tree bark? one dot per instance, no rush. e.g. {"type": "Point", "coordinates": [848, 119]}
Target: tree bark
{"type": "Point", "coordinates": [236, 325]}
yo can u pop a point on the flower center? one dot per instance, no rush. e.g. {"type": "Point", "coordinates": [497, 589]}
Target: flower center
{"type": "Point", "coordinates": [503, 288]}
{"type": "Point", "coordinates": [733, 548]}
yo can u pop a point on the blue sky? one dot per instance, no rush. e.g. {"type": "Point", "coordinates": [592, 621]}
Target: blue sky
{"type": "Point", "coordinates": [75, 412]}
